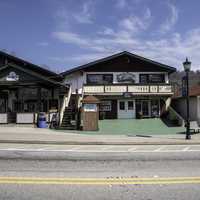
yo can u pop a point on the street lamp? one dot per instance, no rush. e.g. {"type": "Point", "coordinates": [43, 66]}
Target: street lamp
{"type": "Point", "coordinates": [187, 66]}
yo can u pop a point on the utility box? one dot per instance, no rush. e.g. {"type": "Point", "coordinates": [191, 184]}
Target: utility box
{"type": "Point", "coordinates": [90, 113]}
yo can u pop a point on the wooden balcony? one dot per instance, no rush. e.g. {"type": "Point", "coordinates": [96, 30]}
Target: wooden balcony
{"type": "Point", "coordinates": [136, 89]}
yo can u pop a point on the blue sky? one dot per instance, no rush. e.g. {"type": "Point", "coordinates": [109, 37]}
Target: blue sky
{"type": "Point", "coordinates": [66, 33]}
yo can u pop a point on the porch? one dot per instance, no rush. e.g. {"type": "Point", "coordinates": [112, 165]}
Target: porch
{"type": "Point", "coordinates": [24, 93]}
{"type": "Point", "coordinates": [133, 127]}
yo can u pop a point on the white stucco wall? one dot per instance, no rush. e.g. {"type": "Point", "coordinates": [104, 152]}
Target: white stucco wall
{"type": "Point", "coordinates": [76, 81]}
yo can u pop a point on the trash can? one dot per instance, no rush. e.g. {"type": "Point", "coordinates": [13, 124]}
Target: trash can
{"type": "Point", "coordinates": [90, 113]}
{"type": "Point", "coordinates": [42, 123]}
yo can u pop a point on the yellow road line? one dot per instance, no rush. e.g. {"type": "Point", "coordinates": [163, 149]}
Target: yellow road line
{"type": "Point", "coordinates": [99, 181]}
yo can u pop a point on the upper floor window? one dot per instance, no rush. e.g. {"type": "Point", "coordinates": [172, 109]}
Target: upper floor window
{"type": "Point", "coordinates": [99, 78]}
{"type": "Point", "coordinates": [152, 78]}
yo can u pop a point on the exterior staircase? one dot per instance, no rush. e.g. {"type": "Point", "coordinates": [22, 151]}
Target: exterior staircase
{"type": "Point", "coordinates": [173, 118]}
{"type": "Point", "coordinates": [69, 113]}
{"type": "Point", "coordinates": [67, 120]}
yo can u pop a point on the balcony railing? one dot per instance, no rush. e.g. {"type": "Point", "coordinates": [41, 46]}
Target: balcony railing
{"type": "Point", "coordinates": [133, 89]}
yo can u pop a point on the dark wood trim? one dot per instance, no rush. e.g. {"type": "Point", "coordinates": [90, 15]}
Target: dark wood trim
{"type": "Point", "coordinates": [148, 78]}
{"type": "Point", "coordinates": [109, 59]}
{"type": "Point", "coordinates": [102, 74]}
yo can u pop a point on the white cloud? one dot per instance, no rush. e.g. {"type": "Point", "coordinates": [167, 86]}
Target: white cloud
{"type": "Point", "coordinates": [136, 24]}
{"type": "Point", "coordinates": [126, 34]}
{"type": "Point", "coordinates": [133, 24]}
{"type": "Point", "coordinates": [107, 31]}
{"type": "Point", "coordinates": [85, 16]}
{"type": "Point", "coordinates": [171, 51]}
{"type": "Point", "coordinates": [171, 20]}
{"type": "Point", "coordinates": [70, 38]}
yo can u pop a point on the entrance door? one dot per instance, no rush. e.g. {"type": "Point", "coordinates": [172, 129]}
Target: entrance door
{"type": "Point", "coordinates": [3, 105]}
{"type": "Point", "coordinates": [126, 109]}
{"type": "Point", "coordinates": [3, 102]}
{"type": "Point", "coordinates": [145, 107]}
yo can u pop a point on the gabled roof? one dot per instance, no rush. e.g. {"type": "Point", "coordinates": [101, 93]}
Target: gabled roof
{"type": "Point", "coordinates": [30, 65]}
{"type": "Point", "coordinates": [91, 64]}
{"type": "Point", "coordinates": [32, 73]}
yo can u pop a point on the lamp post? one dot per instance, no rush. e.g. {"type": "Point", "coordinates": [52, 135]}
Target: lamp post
{"type": "Point", "coordinates": [187, 66]}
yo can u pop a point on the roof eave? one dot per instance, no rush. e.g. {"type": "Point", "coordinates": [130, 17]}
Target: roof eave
{"type": "Point", "coordinates": [169, 69]}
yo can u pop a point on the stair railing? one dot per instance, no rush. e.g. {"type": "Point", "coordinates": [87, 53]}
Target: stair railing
{"type": "Point", "coordinates": [175, 115]}
{"type": "Point", "coordinates": [65, 103]}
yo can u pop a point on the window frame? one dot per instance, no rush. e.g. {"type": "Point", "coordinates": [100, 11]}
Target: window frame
{"type": "Point", "coordinates": [148, 80]}
{"type": "Point", "coordinates": [103, 78]}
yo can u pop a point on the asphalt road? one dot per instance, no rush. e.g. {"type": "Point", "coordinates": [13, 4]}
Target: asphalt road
{"type": "Point", "coordinates": [135, 174]}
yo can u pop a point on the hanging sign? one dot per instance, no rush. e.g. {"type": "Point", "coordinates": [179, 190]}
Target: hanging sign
{"type": "Point", "coordinates": [12, 76]}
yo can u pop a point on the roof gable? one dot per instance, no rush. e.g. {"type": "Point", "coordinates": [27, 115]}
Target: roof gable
{"type": "Point", "coordinates": [28, 65]}
{"type": "Point", "coordinates": [24, 74]}
{"type": "Point", "coordinates": [124, 61]}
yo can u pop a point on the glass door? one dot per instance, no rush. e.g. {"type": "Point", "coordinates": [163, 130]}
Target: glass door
{"type": "Point", "coordinates": [145, 108]}
{"type": "Point", "coordinates": [3, 105]}
{"type": "Point", "coordinates": [126, 109]}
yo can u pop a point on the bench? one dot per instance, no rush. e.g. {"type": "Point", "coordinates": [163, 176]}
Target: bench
{"type": "Point", "coordinates": [194, 127]}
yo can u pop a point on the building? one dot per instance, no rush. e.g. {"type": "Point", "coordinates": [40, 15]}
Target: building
{"type": "Point", "coordinates": [26, 89]}
{"type": "Point", "coordinates": [179, 104]}
{"type": "Point", "coordinates": [127, 85]}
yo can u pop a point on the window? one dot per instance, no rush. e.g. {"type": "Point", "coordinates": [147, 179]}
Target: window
{"type": "Point", "coordinates": [156, 78]}
{"type": "Point", "coordinates": [155, 108]}
{"type": "Point", "coordinates": [152, 78]}
{"type": "Point", "coordinates": [130, 105]}
{"type": "Point", "coordinates": [122, 105]}
{"type": "Point", "coordinates": [105, 106]}
{"type": "Point", "coordinates": [99, 78]}
{"type": "Point", "coordinates": [143, 78]}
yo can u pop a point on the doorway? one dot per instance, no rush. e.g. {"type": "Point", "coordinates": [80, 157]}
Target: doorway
{"type": "Point", "coordinates": [126, 109]}
{"type": "Point", "coordinates": [143, 108]}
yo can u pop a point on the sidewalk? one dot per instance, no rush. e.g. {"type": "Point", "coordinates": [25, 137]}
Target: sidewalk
{"type": "Point", "coordinates": [27, 135]}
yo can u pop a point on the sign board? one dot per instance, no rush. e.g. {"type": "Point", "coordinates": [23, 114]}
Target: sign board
{"type": "Point", "coordinates": [89, 107]}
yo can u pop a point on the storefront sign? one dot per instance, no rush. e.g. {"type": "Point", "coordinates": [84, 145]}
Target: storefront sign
{"type": "Point", "coordinates": [12, 76]}
{"type": "Point", "coordinates": [89, 107]}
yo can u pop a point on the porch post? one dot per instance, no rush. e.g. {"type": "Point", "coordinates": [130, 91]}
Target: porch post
{"type": "Point", "coordinates": [52, 93]}
{"type": "Point", "coordinates": [38, 99]}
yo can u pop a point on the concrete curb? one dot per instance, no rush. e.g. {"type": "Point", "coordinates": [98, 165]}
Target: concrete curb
{"type": "Point", "coordinates": [101, 142]}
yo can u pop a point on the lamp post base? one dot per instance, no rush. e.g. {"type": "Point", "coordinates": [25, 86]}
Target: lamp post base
{"type": "Point", "coordinates": [188, 137]}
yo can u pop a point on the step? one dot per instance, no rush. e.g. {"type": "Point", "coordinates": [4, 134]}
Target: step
{"type": "Point", "coordinates": [67, 127]}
